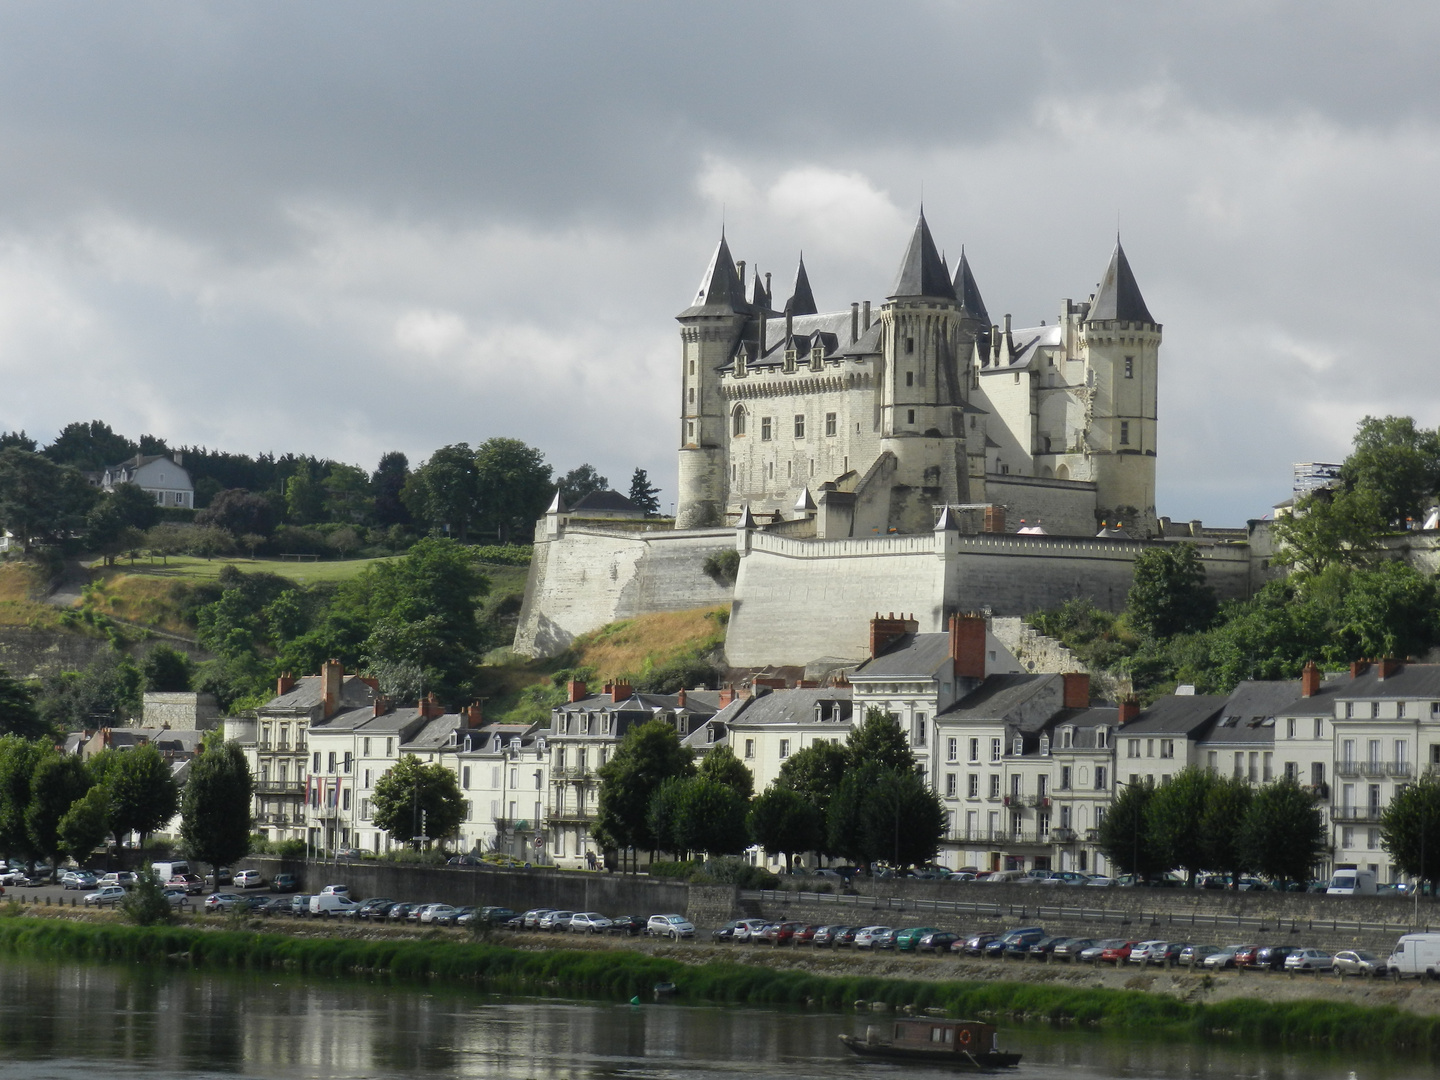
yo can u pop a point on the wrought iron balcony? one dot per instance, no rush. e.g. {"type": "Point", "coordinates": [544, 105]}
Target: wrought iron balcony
{"type": "Point", "coordinates": [1356, 813]}
{"type": "Point", "coordinates": [279, 787]}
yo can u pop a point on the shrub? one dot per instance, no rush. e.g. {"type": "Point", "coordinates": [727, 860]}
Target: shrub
{"type": "Point", "coordinates": [681, 870]}
{"type": "Point", "coordinates": [728, 870]}
{"type": "Point", "coordinates": [504, 554]}
{"type": "Point", "coordinates": [145, 904]}
{"type": "Point", "coordinates": [723, 566]}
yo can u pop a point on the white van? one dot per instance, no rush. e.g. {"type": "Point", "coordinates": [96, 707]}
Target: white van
{"type": "Point", "coordinates": [1416, 954]}
{"type": "Point", "coordinates": [331, 904]}
{"type": "Point", "coordinates": [167, 870]}
{"type": "Point", "coordinates": [1349, 881]}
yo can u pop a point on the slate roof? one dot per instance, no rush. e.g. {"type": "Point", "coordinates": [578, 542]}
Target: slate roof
{"type": "Point", "coordinates": [308, 690]}
{"type": "Point", "coordinates": [435, 734]}
{"type": "Point", "coordinates": [1411, 681]}
{"type": "Point", "coordinates": [914, 655]}
{"type": "Point", "coordinates": [802, 300]}
{"type": "Point", "coordinates": [781, 707]}
{"type": "Point", "coordinates": [720, 291]}
{"type": "Point", "coordinates": [922, 271]}
{"type": "Point", "coordinates": [611, 501]}
{"type": "Point", "coordinates": [968, 293]}
{"type": "Point", "coordinates": [1119, 296]}
{"type": "Point", "coordinates": [997, 697]}
{"type": "Point", "coordinates": [1178, 714]}
{"type": "Point", "coordinates": [1248, 715]}
{"type": "Point", "coordinates": [1084, 721]}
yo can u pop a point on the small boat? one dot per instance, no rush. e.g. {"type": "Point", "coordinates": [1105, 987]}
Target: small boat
{"type": "Point", "coordinates": [958, 1044]}
{"type": "Point", "coordinates": [664, 989]}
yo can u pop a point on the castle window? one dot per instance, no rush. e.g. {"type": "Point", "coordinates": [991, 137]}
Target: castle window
{"type": "Point", "coordinates": [817, 357]}
{"type": "Point", "coordinates": [1129, 367]}
{"type": "Point", "coordinates": [765, 429]}
{"type": "Point", "coordinates": [692, 395]}
{"type": "Point", "coordinates": [800, 425]}
{"type": "Point", "coordinates": [1017, 378]}
{"type": "Point", "coordinates": [910, 416]}
{"type": "Point", "coordinates": [692, 367]}
{"type": "Point", "coordinates": [789, 360]}
{"type": "Point", "coordinates": [829, 423]}
{"type": "Point", "coordinates": [770, 470]}
{"type": "Point", "coordinates": [738, 420]}
{"type": "Point", "coordinates": [690, 429]}
{"type": "Point", "coordinates": [909, 378]}
{"type": "Point", "coordinates": [909, 345]}
{"type": "Point", "coordinates": [1124, 432]}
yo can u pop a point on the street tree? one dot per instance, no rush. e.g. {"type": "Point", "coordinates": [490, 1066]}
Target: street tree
{"type": "Point", "coordinates": [662, 816]}
{"type": "Point", "coordinates": [86, 824]}
{"type": "Point", "coordinates": [1172, 815]}
{"type": "Point", "coordinates": [1169, 594]}
{"type": "Point", "coordinates": [711, 818]}
{"type": "Point", "coordinates": [216, 816]}
{"type": "Point", "coordinates": [644, 494]}
{"type": "Point", "coordinates": [814, 773]}
{"type": "Point", "coordinates": [1124, 835]}
{"type": "Point", "coordinates": [143, 792]}
{"type": "Point", "coordinates": [878, 740]}
{"type": "Point", "coordinates": [18, 714]}
{"type": "Point", "coordinates": [18, 759]}
{"type": "Point", "coordinates": [1220, 826]}
{"type": "Point", "coordinates": [417, 799]}
{"type": "Point", "coordinates": [647, 756]}
{"type": "Point", "coordinates": [58, 782]}
{"type": "Point", "coordinates": [722, 766]}
{"type": "Point", "coordinates": [785, 822]}
{"type": "Point", "coordinates": [1410, 830]}
{"type": "Point", "coordinates": [885, 813]}
{"type": "Point", "coordinates": [1283, 835]}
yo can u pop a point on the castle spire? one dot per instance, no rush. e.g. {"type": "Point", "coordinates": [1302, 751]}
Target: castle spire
{"type": "Point", "coordinates": [802, 300]}
{"type": "Point", "coordinates": [1119, 296]}
{"type": "Point", "coordinates": [968, 293]}
{"type": "Point", "coordinates": [720, 289]}
{"type": "Point", "coordinates": [922, 272]}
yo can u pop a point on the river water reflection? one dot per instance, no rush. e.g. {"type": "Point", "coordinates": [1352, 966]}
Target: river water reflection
{"type": "Point", "coordinates": [69, 1022]}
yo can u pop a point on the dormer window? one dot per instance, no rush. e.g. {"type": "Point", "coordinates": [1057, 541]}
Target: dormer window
{"type": "Point", "coordinates": [584, 724]}
{"type": "Point", "coordinates": [1019, 745]}
{"type": "Point", "coordinates": [1102, 738]}
{"type": "Point", "coordinates": [817, 357]}
{"type": "Point", "coordinates": [1044, 745]}
{"type": "Point", "coordinates": [1067, 738]}
{"type": "Point", "coordinates": [790, 357]}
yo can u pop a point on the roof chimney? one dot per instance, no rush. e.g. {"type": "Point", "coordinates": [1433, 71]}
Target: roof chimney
{"type": "Point", "coordinates": [727, 695]}
{"type": "Point", "coordinates": [865, 314]}
{"type": "Point", "coordinates": [284, 684]}
{"type": "Point", "coordinates": [382, 705]}
{"type": "Point", "coordinates": [430, 707]}
{"type": "Point", "coordinates": [967, 645]}
{"type": "Point", "coordinates": [1310, 680]}
{"type": "Point", "coordinates": [885, 630]}
{"type": "Point", "coordinates": [619, 692]}
{"type": "Point", "coordinates": [1129, 709]}
{"type": "Point", "coordinates": [994, 519]}
{"type": "Point", "coordinates": [1077, 690]}
{"type": "Point", "coordinates": [680, 699]}
{"type": "Point", "coordinates": [332, 673]}
{"type": "Point", "coordinates": [575, 690]}
{"type": "Point", "coordinates": [474, 715]}
{"type": "Point", "coordinates": [1358, 668]}
{"type": "Point", "coordinates": [854, 322]}
{"type": "Point", "coordinates": [1386, 667]}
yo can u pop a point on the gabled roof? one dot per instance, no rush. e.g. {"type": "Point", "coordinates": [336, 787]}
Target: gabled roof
{"type": "Point", "coordinates": [1411, 681]}
{"type": "Point", "coordinates": [308, 692]}
{"type": "Point", "coordinates": [797, 707]}
{"type": "Point", "coordinates": [1119, 296]}
{"type": "Point", "coordinates": [1085, 722]}
{"type": "Point", "coordinates": [1178, 714]}
{"type": "Point", "coordinates": [968, 293]}
{"type": "Point", "coordinates": [997, 697]}
{"type": "Point", "coordinates": [802, 300]}
{"type": "Point", "coordinates": [612, 501]}
{"type": "Point", "coordinates": [1248, 715]}
{"type": "Point", "coordinates": [720, 291]}
{"type": "Point", "coordinates": [922, 271]}
{"type": "Point", "coordinates": [914, 655]}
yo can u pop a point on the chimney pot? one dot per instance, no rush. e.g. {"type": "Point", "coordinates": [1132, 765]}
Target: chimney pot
{"type": "Point", "coordinates": [1129, 709]}
{"type": "Point", "coordinates": [680, 699]}
{"type": "Point", "coordinates": [1310, 680]}
{"type": "Point", "coordinates": [284, 684]}
{"type": "Point", "coordinates": [619, 692]}
{"type": "Point", "coordinates": [885, 631]}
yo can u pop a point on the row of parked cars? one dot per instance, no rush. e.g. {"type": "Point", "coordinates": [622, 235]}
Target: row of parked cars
{"type": "Point", "coordinates": [559, 920]}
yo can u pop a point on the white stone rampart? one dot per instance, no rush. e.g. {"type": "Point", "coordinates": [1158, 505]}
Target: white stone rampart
{"type": "Point", "coordinates": [1060, 507]}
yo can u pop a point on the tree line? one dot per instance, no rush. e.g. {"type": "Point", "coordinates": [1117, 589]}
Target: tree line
{"type": "Point", "coordinates": [863, 800]}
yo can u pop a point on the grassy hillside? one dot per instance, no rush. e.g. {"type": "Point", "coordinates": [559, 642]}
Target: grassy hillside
{"type": "Point", "coordinates": [188, 568]}
{"type": "Point", "coordinates": [21, 589]}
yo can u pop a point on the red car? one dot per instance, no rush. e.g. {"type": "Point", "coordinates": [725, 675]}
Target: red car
{"type": "Point", "coordinates": [1119, 954]}
{"type": "Point", "coordinates": [1246, 957]}
{"type": "Point", "coordinates": [805, 935]}
{"type": "Point", "coordinates": [781, 933]}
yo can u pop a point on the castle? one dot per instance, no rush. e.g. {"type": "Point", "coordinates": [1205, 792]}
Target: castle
{"type": "Point", "coordinates": [874, 420]}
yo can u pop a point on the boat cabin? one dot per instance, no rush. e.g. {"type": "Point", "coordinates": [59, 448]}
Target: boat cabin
{"type": "Point", "coordinates": [954, 1036]}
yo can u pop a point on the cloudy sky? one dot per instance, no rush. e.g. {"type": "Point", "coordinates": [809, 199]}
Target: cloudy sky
{"type": "Point", "coordinates": [348, 228]}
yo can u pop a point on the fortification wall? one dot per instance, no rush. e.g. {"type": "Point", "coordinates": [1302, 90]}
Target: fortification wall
{"type": "Point", "coordinates": [584, 577]}
{"type": "Point", "coordinates": [1061, 507]}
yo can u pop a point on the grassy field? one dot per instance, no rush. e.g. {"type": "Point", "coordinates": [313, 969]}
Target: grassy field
{"type": "Point", "coordinates": [188, 568]}
{"type": "Point", "coordinates": [20, 603]}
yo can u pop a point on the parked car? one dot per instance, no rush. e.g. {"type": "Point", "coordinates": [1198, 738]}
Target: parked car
{"type": "Point", "coordinates": [1225, 958]}
{"type": "Point", "coordinates": [825, 935]}
{"type": "Point", "coordinates": [1358, 962]}
{"type": "Point", "coordinates": [908, 940]}
{"type": "Point", "coordinates": [1070, 949]}
{"type": "Point", "coordinates": [220, 877]}
{"type": "Point", "coordinates": [438, 914]}
{"type": "Point", "coordinates": [79, 879]}
{"type": "Point", "coordinates": [284, 883]}
{"type": "Point", "coordinates": [1140, 954]}
{"type": "Point", "coordinates": [192, 884]}
{"type": "Point", "coordinates": [453, 919]}
{"type": "Point", "coordinates": [1099, 881]}
{"type": "Point", "coordinates": [555, 921]}
{"type": "Point", "coordinates": [1193, 956]}
{"type": "Point", "coordinates": [300, 905]}
{"type": "Point", "coordinates": [866, 935]}
{"type": "Point", "coordinates": [1118, 953]}
{"type": "Point", "coordinates": [376, 907]}
{"type": "Point", "coordinates": [1272, 957]}
{"type": "Point", "coordinates": [961, 875]}
{"type": "Point", "coordinates": [531, 919]}
{"type": "Point", "coordinates": [938, 941]}
{"type": "Point", "coordinates": [1066, 877]}
{"type": "Point", "coordinates": [328, 904]}
{"type": "Point", "coordinates": [629, 925]}
{"type": "Point", "coordinates": [1045, 946]}
{"type": "Point", "coordinates": [974, 945]}
{"type": "Point", "coordinates": [1169, 953]}
{"type": "Point", "coordinates": [1015, 943]}
{"type": "Point", "coordinates": [588, 922]}
{"type": "Point", "coordinates": [1309, 960]}
{"type": "Point", "coordinates": [400, 912]}
{"type": "Point", "coordinates": [674, 927]}
{"type": "Point", "coordinates": [781, 933]}
{"type": "Point", "coordinates": [729, 930]}
{"type": "Point", "coordinates": [806, 935]}
{"type": "Point", "coordinates": [176, 898]}
{"type": "Point", "coordinates": [413, 915]}
{"type": "Point", "coordinates": [221, 901]}
{"type": "Point", "coordinates": [1096, 950]}
{"type": "Point", "coordinates": [106, 894]}
{"type": "Point", "coordinates": [121, 877]}
{"type": "Point", "coordinates": [335, 890]}
{"type": "Point", "coordinates": [495, 916]}
{"type": "Point", "coordinates": [885, 939]}
{"type": "Point", "coordinates": [249, 879]}
{"type": "Point", "coordinates": [844, 936]}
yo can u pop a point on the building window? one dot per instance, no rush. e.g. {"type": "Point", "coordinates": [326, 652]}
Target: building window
{"type": "Point", "coordinates": [1017, 785]}
{"type": "Point", "coordinates": [1132, 748]}
{"type": "Point", "coordinates": [952, 749]}
{"type": "Point", "coordinates": [365, 747]}
{"type": "Point", "coordinates": [1044, 745]}
{"type": "Point", "coordinates": [1018, 746]}
{"type": "Point", "coordinates": [974, 749]}
{"type": "Point", "coordinates": [909, 345]}
{"type": "Point", "coordinates": [1064, 777]}
{"type": "Point", "coordinates": [1100, 776]}
{"type": "Point", "coordinates": [690, 429]}
{"type": "Point", "coordinates": [347, 761]}
{"type": "Point", "coordinates": [996, 749]}
{"type": "Point", "coordinates": [1067, 738]}
{"type": "Point", "coordinates": [1102, 738]}
{"type": "Point", "coordinates": [830, 425]}
{"type": "Point", "coordinates": [909, 378]}
{"type": "Point", "coordinates": [1124, 432]}
{"type": "Point", "coordinates": [951, 785]}
{"type": "Point", "coordinates": [995, 785]}
{"type": "Point", "coordinates": [799, 425]}
{"type": "Point", "coordinates": [330, 762]}
{"type": "Point", "coordinates": [389, 748]}
{"type": "Point", "coordinates": [1319, 728]}
{"type": "Point", "coordinates": [909, 416]}
{"type": "Point", "coordinates": [784, 749]}
{"type": "Point", "coordinates": [737, 423]}
{"type": "Point", "coordinates": [1129, 367]}
{"type": "Point", "coordinates": [1167, 748]}
{"type": "Point", "coordinates": [972, 786]}
{"type": "Point", "coordinates": [749, 749]}
{"type": "Point", "coordinates": [766, 429]}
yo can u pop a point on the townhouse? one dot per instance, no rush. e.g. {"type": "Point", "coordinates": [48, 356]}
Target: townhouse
{"type": "Point", "coordinates": [768, 729]}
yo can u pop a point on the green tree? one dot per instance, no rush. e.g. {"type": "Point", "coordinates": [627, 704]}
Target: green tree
{"type": "Point", "coordinates": [581, 481]}
{"type": "Point", "coordinates": [1221, 826]}
{"type": "Point", "coordinates": [784, 822]}
{"type": "Point", "coordinates": [145, 904]}
{"type": "Point", "coordinates": [143, 792]}
{"type": "Point", "coordinates": [1175, 808]}
{"type": "Point", "coordinates": [413, 796]}
{"type": "Point", "coordinates": [1283, 835]}
{"type": "Point", "coordinates": [722, 766]}
{"type": "Point", "coordinates": [18, 439]}
{"type": "Point", "coordinates": [662, 816]}
{"type": "Point", "coordinates": [879, 740]}
{"type": "Point", "coordinates": [216, 819]}
{"type": "Point", "coordinates": [89, 446]}
{"type": "Point", "coordinates": [86, 824]}
{"type": "Point", "coordinates": [711, 818]}
{"type": "Point", "coordinates": [1330, 528]}
{"type": "Point", "coordinates": [167, 670]}
{"type": "Point", "coordinates": [59, 780]}
{"type": "Point", "coordinates": [512, 486]}
{"type": "Point", "coordinates": [647, 756]}
{"type": "Point", "coordinates": [40, 500]}
{"type": "Point", "coordinates": [347, 494]}
{"type": "Point", "coordinates": [814, 773]}
{"type": "Point", "coordinates": [18, 759]}
{"type": "Point", "coordinates": [105, 693]}
{"type": "Point", "coordinates": [643, 494]}
{"type": "Point", "coordinates": [443, 493]}
{"type": "Point", "coordinates": [1124, 835]}
{"type": "Point", "coordinates": [18, 714]}
{"type": "Point", "coordinates": [1410, 830]}
{"type": "Point", "coordinates": [885, 813]}
{"type": "Point", "coordinates": [386, 485]}
{"type": "Point", "coordinates": [240, 513]}
{"type": "Point", "coordinates": [1169, 594]}
{"type": "Point", "coordinates": [111, 524]}
{"type": "Point", "coordinates": [304, 496]}
{"type": "Point", "coordinates": [1398, 462]}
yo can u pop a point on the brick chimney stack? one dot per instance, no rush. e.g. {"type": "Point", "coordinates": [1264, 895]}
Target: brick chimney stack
{"type": "Point", "coordinates": [576, 690]}
{"type": "Point", "coordinates": [680, 699]}
{"type": "Point", "coordinates": [621, 691]}
{"type": "Point", "coordinates": [1077, 690]}
{"type": "Point", "coordinates": [1386, 667]}
{"type": "Point", "coordinates": [284, 684]}
{"type": "Point", "coordinates": [1129, 709]}
{"type": "Point", "coordinates": [727, 695]}
{"type": "Point", "coordinates": [332, 674]}
{"type": "Point", "coordinates": [885, 630]}
{"type": "Point", "coordinates": [474, 715]}
{"type": "Point", "coordinates": [1358, 668]}
{"type": "Point", "coordinates": [430, 707]}
{"type": "Point", "coordinates": [967, 645]}
{"type": "Point", "coordinates": [1310, 680]}
{"type": "Point", "coordinates": [382, 705]}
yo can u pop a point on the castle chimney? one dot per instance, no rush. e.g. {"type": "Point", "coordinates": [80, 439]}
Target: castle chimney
{"type": "Point", "coordinates": [854, 323]}
{"type": "Point", "coordinates": [768, 302]}
{"type": "Point", "coordinates": [284, 684]}
{"type": "Point", "coordinates": [1077, 690]}
{"type": "Point", "coordinates": [865, 315]}
{"type": "Point", "coordinates": [763, 321]}
{"type": "Point", "coordinates": [575, 690]}
{"type": "Point", "coordinates": [789, 328]}
{"type": "Point", "coordinates": [620, 691]}
{"type": "Point", "coordinates": [1310, 680]}
{"type": "Point", "coordinates": [1386, 667]}
{"type": "Point", "coordinates": [332, 673]}
{"type": "Point", "coordinates": [740, 270]}
{"type": "Point", "coordinates": [1129, 709]}
{"type": "Point", "coordinates": [1358, 668]}
{"type": "Point", "coordinates": [967, 646]}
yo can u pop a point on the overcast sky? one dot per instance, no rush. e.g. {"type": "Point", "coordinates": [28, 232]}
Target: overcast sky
{"type": "Point", "coordinates": [343, 229]}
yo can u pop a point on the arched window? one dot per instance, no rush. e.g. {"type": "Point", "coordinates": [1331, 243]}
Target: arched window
{"type": "Point", "coordinates": [1062, 472]}
{"type": "Point", "coordinates": [737, 420]}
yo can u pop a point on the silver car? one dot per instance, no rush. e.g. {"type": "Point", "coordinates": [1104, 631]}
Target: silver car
{"type": "Point", "coordinates": [1359, 962]}
{"type": "Point", "coordinates": [589, 922]}
{"type": "Point", "coordinates": [671, 926]}
{"type": "Point", "coordinates": [1310, 960]}
{"type": "Point", "coordinates": [555, 920]}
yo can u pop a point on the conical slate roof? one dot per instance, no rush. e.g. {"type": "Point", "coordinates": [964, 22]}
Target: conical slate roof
{"type": "Point", "coordinates": [802, 300]}
{"type": "Point", "coordinates": [1119, 296]}
{"type": "Point", "coordinates": [968, 293]}
{"type": "Point", "coordinates": [922, 272]}
{"type": "Point", "coordinates": [720, 290]}
{"type": "Point", "coordinates": [759, 298]}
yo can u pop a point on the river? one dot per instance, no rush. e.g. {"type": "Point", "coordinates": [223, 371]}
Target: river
{"type": "Point", "coordinates": [83, 1022]}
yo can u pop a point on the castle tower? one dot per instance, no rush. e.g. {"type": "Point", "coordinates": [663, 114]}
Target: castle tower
{"type": "Point", "coordinates": [1121, 344]}
{"type": "Point", "coordinates": [921, 385]}
{"type": "Point", "coordinates": [710, 330]}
